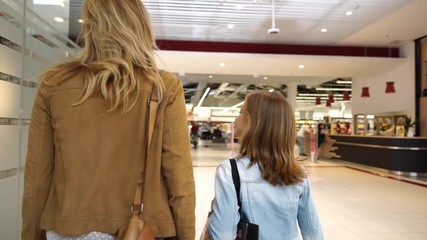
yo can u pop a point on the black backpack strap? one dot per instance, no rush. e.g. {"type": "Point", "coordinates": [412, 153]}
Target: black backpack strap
{"type": "Point", "coordinates": [236, 181]}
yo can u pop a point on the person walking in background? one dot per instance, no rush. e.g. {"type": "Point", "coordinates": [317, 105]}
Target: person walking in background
{"type": "Point", "coordinates": [194, 134]}
{"type": "Point", "coordinates": [88, 136]}
{"type": "Point", "coordinates": [320, 133]}
{"type": "Point", "coordinates": [338, 128]}
{"type": "Point", "coordinates": [275, 190]}
{"type": "Point", "coordinates": [300, 138]}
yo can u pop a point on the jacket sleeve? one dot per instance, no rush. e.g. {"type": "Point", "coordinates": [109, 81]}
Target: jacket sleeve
{"type": "Point", "coordinates": [225, 216]}
{"type": "Point", "coordinates": [177, 168]}
{"type": "Point", "coordinates": [38, 168]}
{"type": "Point", "coordinates": [308, 220]}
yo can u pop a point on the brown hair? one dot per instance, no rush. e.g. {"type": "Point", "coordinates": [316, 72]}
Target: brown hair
{"type": "Point", "coordinates": [269, 137]}
{"type": "Point", "coordinates": [118, 43]}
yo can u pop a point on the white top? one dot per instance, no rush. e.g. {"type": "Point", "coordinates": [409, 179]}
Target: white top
{"type": "Point", "coordinates": [304, 128]}
{"type": "Point", "coordinates": [50, 235]}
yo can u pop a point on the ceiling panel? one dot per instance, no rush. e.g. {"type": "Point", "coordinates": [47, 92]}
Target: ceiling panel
{"type": "Point", "coordinates": [383, 23]}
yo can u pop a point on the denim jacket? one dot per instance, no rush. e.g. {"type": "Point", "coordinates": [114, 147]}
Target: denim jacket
{"type": "Point", "coordinates": [278, 210]}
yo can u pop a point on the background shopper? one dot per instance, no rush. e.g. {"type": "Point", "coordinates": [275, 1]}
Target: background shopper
{"type": "Point", "coordinates": [87, 136]}
{"type": "Point", "coordinates": [275, 190]}
{"type": "Point", "coordinates": [304, 129]}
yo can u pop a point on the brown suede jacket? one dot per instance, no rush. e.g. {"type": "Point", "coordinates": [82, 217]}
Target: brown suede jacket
{"type": "Point", "coordinates": [83, 164]}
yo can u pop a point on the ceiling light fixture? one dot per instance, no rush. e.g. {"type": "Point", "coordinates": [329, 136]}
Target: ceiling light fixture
{"type": "Point", "coordinates": [238, 105]}
{"type": "Point", "coordinates": [59, 19]}
{"type": "Point", "coordinates": [365, 92]}
{"type": "Point", "coordinates": [81, 21]}
{"type": "Point", "coordinates": [265, 78]}
{"type": "Point", "coordinates": [323, 30]}
{"type": "Point", "coordinates": [333, 89]}
{"type": "Point", "coordinates": [301, 66]}
{"type": "Point", "coordinates": [390, 87]}
{"type": "Point", "coordinates": [313, 94]}
{"type": "Point", "coordinates": [344, 82]}
{"type": "Point", "coordinates": [273, 29]}
{"type": "Point", "coordinates": [230, 26]}
{"type": "Point", "coordinates": [222, 64]}
{"type": "Point", "coordinates": [210, 76]}
{"type": "Point", "coordinates": [346, 96]}
{"type": "Point", "coordinates": [203, 97]}
{"type": "Point", "coordinates": [348, 13]}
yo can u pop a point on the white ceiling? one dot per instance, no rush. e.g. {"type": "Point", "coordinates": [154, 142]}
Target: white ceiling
{"type": "Point", "coordinates": [374, 23]}
{"type": "Point", "coordinates": [382, 23]}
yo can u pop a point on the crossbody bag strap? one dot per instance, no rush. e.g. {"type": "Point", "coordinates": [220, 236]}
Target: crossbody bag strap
{"type": "Point", "coordinates": [153, 103]}
{"type": "Point", "coordinates": [236, 182]}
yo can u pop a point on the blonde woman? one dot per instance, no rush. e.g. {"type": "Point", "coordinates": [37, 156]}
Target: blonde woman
{"type": "Point", "coordinates": [87, 141]}
{"type": "Point", "coordinates": [275, 191]}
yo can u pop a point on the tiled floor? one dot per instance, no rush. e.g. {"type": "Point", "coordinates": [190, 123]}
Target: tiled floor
{"type": "Point", "coordinates": [351, 204]}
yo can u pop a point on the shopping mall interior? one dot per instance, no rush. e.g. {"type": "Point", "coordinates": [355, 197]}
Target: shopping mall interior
{"type": "Point", "coordinates": [355, 72]}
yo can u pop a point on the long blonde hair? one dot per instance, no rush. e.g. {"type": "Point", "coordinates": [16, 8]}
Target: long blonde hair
{"type": "Point", "coordinates": [118, 44]}
{"type": "Point", "coordinates": [269, 137]}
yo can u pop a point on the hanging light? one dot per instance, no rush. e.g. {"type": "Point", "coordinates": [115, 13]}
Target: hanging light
{"type": "Point", "coordinates": [346, 96]}
{"type": "Point", "coordinates": [273, 29]}
{"type": "Point", "coordinates": [328, 103]}
{"type": "Point", "coordinates": [331, 98]}
{"type": "Point", "coordinates": [318, 101]}
{"type": "Point", "coordinates": [365, 92]}
{"type": "Point", "coordinates": [390, 87]}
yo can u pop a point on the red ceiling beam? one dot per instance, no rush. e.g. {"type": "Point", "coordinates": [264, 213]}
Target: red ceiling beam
{"type": "Point", "coordinates": [233, 47]}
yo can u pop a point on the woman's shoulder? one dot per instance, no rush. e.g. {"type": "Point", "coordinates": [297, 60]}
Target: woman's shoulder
{"type": "Point", "coordinates": [170, 80]}
{"type": "Point", "coordinates": [61, 72]}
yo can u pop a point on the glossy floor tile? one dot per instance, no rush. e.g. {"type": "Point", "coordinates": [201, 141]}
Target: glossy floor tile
{"type": "Point", "coordinates": [352, 202]}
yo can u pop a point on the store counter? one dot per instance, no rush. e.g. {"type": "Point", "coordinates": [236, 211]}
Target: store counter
{"type": "Point", "coordinates": [400, 154]}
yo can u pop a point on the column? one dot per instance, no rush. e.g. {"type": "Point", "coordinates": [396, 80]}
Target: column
{"type": "Point", "coordinates": [292, 94]}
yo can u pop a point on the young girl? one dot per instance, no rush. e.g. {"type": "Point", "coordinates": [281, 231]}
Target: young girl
{"type": "Point", "coordinates": [275, 191]}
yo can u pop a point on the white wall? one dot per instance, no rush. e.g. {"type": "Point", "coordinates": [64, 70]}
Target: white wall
{"type": "Point", "coordinates": [403, 77]}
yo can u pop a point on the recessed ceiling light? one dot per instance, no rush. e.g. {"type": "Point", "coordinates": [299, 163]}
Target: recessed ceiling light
{"type": "Point", "coordinates": [222, 64]}
{"type": "Point", "coordinates": [81, 21]}
{"type": "Point", "coordinates": [348, 13]}
{"type": "Point", "coordinates": [230, 26]}
{"type": "Point", "coordinates": [301, 66]}
{"type": "Point", "coordinates": [210, 76]}
{"type": "Point", "coordinates": [323, 30]}
{"type": "Point", "coordinates": [265, 78]}
{"type": "Point", "coordinates": [59, 19]}
{"type": "Point", "coordinates": [271, 90]}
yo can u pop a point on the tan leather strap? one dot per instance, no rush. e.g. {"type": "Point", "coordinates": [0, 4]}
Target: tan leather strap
{"type": "Point", "coordinates": [152, 103]}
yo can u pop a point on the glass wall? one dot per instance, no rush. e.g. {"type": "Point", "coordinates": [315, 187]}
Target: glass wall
{"type": "Point", "coordinates": [29, 43]}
